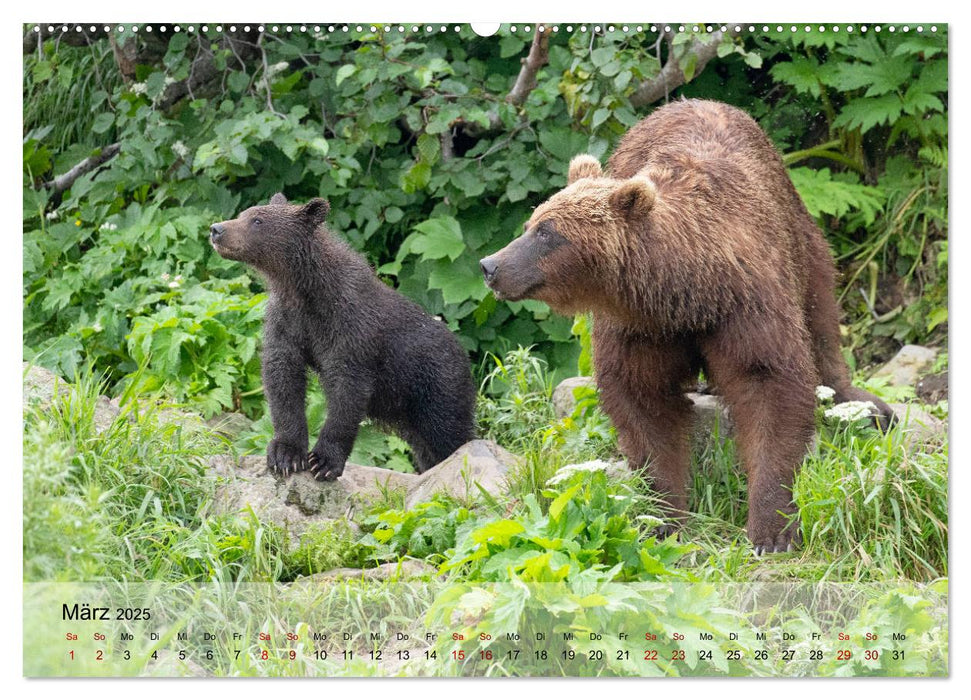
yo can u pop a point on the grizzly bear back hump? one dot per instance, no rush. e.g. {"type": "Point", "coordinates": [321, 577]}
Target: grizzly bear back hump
{"type": "Point", "coordinates": [753, 196]}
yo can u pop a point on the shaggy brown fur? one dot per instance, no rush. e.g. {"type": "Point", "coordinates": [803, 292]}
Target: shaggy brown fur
{"type": "Point", "coordinates": [694, 252]}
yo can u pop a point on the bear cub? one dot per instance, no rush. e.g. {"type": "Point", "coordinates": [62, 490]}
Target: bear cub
{"type": "Point", "coordinates": [377, 354]}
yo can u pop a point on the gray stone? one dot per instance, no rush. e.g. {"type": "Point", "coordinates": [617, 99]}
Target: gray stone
{"type": "Point", "coordinates": [917, 424]}
{"type": "Point", "coordinates": [477, 463]}
{"type": "Point", "coordinates": [41, 385]}
{"type": "Point", "coordinates": [296, 502]}
{"type": "Point", "coordinates": [293, 503]}
{"type": "Point", "coordinates": [711, 417]}
{"type": "Point", "coordinates": [563, 399]}
{"type": "Point", "coordinates": [371, 482]}
{"type": "Point", "coordinates": [105, 413]}
{"type": "Point", "coordinates": [906, 366]}
{"type": "Point", "coordinates": [230, 425]}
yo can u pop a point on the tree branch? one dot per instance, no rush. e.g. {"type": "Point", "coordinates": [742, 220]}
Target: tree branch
{"type": "Point", "coordinates": [59, 184]}
{"type": "Point", "coordinates": [672, 76]}
{"type": "Point", "coordinates": [539, 53]}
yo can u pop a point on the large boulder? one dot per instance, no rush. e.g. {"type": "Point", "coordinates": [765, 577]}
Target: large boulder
{"type": "Point", "coordinates": [296, 502]}
{"type": "Point", "coordinates": [906, 367]}
{"type": "Point", "coordinates": [479, 463]}
{"type": "Point", "coordinates": [293, 503]}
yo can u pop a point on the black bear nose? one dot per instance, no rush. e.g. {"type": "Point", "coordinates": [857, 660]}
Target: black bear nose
{"type": "Point", "coordinates": [489, 268]}
{"type": "Point", "coordinates": [215, 231]}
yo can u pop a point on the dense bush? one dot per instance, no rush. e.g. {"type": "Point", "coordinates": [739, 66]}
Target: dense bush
{"type": "Point", "coordinates": [430, 161]}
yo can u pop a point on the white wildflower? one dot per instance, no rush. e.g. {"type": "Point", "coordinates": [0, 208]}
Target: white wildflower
{"type": "Point", "coordinates": [825, 393]}
{"type": "Point", "coordinates": [178, 278]}
{"type": "Point", "coordinates": [851, 411]}
{"type": "Point", "coordinates": [51, 215]}
{"type": "Point", "coordinates": [108, 226]}
{"type": "Point", "coordinates": [174, 285]}
{"type": "Point", "coordinates": [277, 68]}
{"type": "Point", "coordinates": [165, 276]}
{"type": "Point", "coordinates": [180, 149]}
{"type": "Point", "coordinates": [139, 88]}
{"type": "Point", "coordinates": [565, 472]}
{"type": "Point", "coordinates": [97, 327]}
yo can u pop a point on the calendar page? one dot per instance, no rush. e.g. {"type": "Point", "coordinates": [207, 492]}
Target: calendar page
{"type": "Point", "coordinates": [610, 349]}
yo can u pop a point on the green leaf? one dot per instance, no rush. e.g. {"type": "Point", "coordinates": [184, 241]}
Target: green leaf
{"type": "Point", "coordinates": [439, 238]}
{"type": "Point", "coordinates": [103, 122]}
{"type": "Point", "coordinates": [345, 72]}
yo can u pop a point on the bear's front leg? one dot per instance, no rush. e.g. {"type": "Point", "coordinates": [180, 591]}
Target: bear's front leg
{"type": "Point", "coordinates": [640, 385]}
{"type": "Point", "coordinates": [769, 388]}
{"type": "Point", "coordinates": [285, 384]}
{"type": "Point", "coordinates": [347, 400]}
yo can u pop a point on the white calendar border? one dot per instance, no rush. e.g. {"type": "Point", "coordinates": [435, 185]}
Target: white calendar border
{"type": "Point", "coordinates": [438, 11]}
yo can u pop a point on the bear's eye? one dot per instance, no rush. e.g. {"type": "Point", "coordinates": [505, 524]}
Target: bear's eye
{"type": "Point", "coordinates": [257, 221]}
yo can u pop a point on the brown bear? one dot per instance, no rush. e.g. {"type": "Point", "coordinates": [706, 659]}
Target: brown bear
{"type": "Point", "coordinates": [694, 252]}
{"type": "Point", "coordinates": [378, 355]}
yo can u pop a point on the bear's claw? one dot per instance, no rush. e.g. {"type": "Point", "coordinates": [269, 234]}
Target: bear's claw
{"type": "Point", "coordinates": [325, 464]}
{"type": "Point", "coordinates": [285, 459]}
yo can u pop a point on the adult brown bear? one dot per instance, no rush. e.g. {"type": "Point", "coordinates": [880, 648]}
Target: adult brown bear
{"type": "Point", "coordinates": [693, 252]}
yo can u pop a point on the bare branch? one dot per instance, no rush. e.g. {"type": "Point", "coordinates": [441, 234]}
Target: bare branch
{"type": "Point", "coordinates": [63, 182]}
{"type": "Point", "coordinates": [539, 53]}
{"type": "Point", "coordinates": [672, 75]}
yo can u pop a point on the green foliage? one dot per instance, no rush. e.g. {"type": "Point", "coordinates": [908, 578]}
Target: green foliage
{"type": "Point", "coordinates": [322, 548]}
{"type": "Point", "coordinates": [426, 530]}
{"type": "Point", "coordinates": [586, 531]}
{"type": "Point", "coordinates": [427, 168]}
{"type": "Point", "coordinates": [875, 505]}
{"type": "Point", "coordinates": [125, 497]}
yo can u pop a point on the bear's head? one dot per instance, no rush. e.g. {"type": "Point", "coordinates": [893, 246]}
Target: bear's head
{"type": "Point", "coordinates": [271, 237]}
{"type": "Point", "coordinates": [574, 241]}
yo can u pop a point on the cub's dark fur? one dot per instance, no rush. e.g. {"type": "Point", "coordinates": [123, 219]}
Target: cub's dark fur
{"type": "Point", "coordinates": [377, 354]}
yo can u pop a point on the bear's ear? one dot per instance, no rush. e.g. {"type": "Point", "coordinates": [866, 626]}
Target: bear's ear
{"type": "Point", "coordinates": [278, 198]}
{"type": "Point", "coordinates": [583, 166]}
{"type": "Point", "coordinates": [633, 197]}
{"type": "Point", "coordinates": [316, 210]}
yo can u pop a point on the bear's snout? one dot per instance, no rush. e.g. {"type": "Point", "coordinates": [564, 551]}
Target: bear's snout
{"type": "Point", "coordinates": [216, 231]}
{"type": "Point", "coordinates": [489, 267]}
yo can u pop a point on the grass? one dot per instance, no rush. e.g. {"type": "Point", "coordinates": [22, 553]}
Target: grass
{"type": "Point", "coordinates": [129, 500]}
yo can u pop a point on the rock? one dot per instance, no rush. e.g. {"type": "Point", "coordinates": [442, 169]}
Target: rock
{"type": "Point", "coordinates": [479, 462]}
{"type": "Point", "coordinates": [296, 502]}
{"type": "Point", "coordinates": [917, 424]}
{"type": "Point", "coordinates": [293, 503]}
{"type": "Point", "coordinates": [407, 568]}
{"type": "Point", "coordinates": [105, 413]}
{"type": "Point", "coordinates": [370, 482]}
{"type": "Point", "coordinates": [230, 425]}
{"type": "Point", "coordinates": [907, 365]}
{"type": "Point", "coordinates": [41, 385]}
{"type": "Point", "coordinates": [933, 388]}
{"type": "Point", "coordinates": [563, 399]}
{"type": "Point", "coordinates": [711, 417]}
